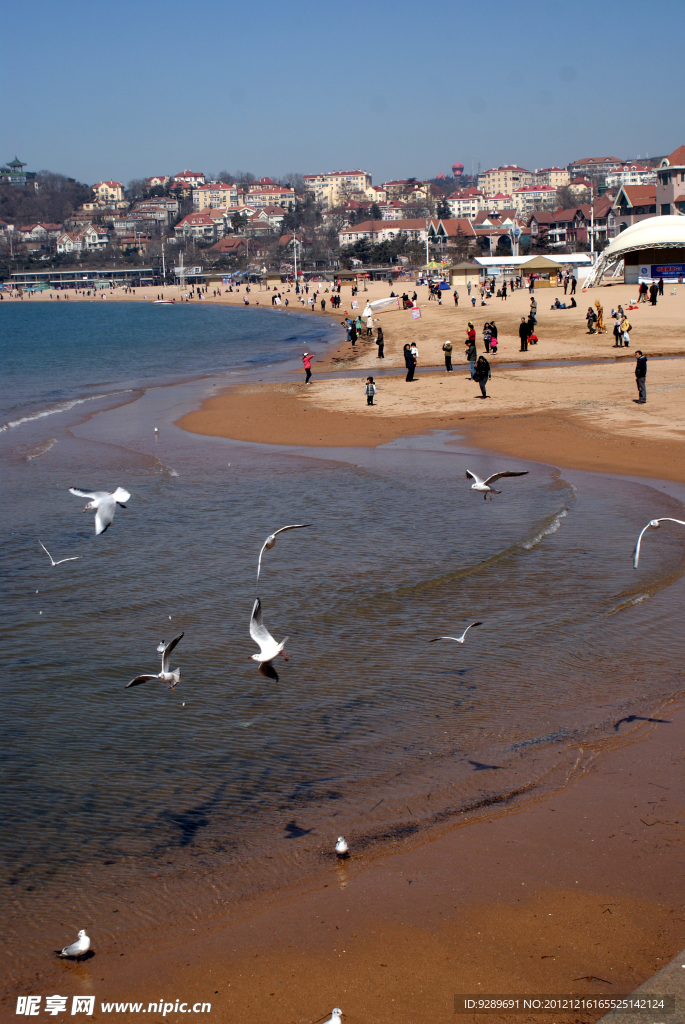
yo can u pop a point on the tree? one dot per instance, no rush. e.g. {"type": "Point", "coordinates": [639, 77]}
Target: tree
{"type": "Point", "coordinates": [375, 212]}
{"type": "Point", "coordinates": [444, 212]}
{"type": "Point", "coordinates": [566, 200]}
{"type": "Point", "coordinates": [244, 177]}
{"type": "Point", "coordinates": [238, 222]}
{"type": "Point", "coordinates": [137, 188]}
{"type": "Point", "coordinates": [293, 180]}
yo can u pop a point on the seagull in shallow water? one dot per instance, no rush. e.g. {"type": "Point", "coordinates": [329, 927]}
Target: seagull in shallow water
{"type": "Point", "coordinates": [165, 675]}
{"type": "Point", "coordinates": [655, 524]}
{"type": "Point", "coordinates": [78, 948]}
{"type": "Point", "coordinates": [341, 847]}
{"type": "Point", "coordinates": [104, 504]}
{"type": "Point", "coordinates": [484, 485]}
{"type": "Point", "coordinates": [271, 540]}
{"type": "Point", "coordinates": [457, 639]}
{"type": "Point", "coordinates": [74, 558]}
{"type": "Point", "coordinates": [268, 648]}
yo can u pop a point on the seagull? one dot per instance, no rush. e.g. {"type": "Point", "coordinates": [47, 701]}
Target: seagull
{"type": "Point", "coordinates": [335, 1017]}
{"type": "Point", "coordinates": [458, 639]}
{"type": "Point", "coordinates": [271, 540]}
{"type": "Point", "coordinates": [74, 558]}
{"type": "Point", "coordinates": [104, 504]}
{"type": "Point", "coordinates": [484, 485]}
{"type": "Point", "coordinates": [78, 948]}
{"type": "Point", "coordinates": [268, 648]}
{"type": "Point", "coordinates": [165, 675]}
{"type": "Point", "coordinates": [341, 848]}
{"type": "Point", "coordinates": [156, 430]}
{"type": "Point", "coordinates": [655, 524]}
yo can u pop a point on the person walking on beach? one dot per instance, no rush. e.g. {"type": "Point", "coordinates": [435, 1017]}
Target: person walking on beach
{"type": "Point", "coordinates": [640, 377]}
{"type": "Point", "coordinates": [643, 292]}
{"type": "Point", "coordinates": [409, 362]}
{"type": "Point", "coordinates": [471, 355]}
{"type": "Point", "coordinates": [381, 343]}
{"type": "Point", "coordinates": [370, 390]}
{"type": "Point", "coordinates": [482, 374]}
{"type": "Point", "coordinates": [573, 284]}
{"type": "Point", "coordinates": [353, 333]}
{"type": "Point", "coordinates": [591, 318]}
{"type": "Point", "coordinates": [307, 363]}
{"type": "Point", "coordinates": [523, 334]}
{"type": "Point", "coordinates": [661, 281]}
{"type": "Point", "coordinates": [625, 331]}
{"type": "Point", "coordinates": [504, 291]}
{"type": "Point", "coordinates": [447, 349]}
{"type": "Point", "coordinates": [487, 336]}
{"type": "Point", "coordinates": [456, 297]}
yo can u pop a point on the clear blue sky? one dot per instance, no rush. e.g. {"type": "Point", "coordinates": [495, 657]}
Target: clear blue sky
{"type": "Point", "coordinates": [128, 89]}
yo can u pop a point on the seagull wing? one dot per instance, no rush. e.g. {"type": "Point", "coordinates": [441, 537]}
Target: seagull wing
{"type": "Point", "coordinates": [74, 558]}
{"type": "Point", "coordinates": [267, 669]}
{"type": "Point", "coordinates": [121, 496]}
{"type": "Point", "coordinates": [258, 631]}
{"type": "Point", "coordinates": [470, 626]}
{"type": "Point", "coordinates": [138, 680]}
{"type": "Point", "coordinates": [636, 553]}
{"type": "Point", "coordinates": [436, 638]}
{"type": "Point", "coordinates": [472, 476]}
{"type": "Point", "coordinates": [47, 552]}
{"type": "Point", "coordinates": [93, 495]}
{"type": "Point", "coordinates": [104, 514]}
{"type": "Point", "coordinates": [166, 651]}
{"type": "Point", "coordinates": [498, 476]}
{"type": "Point", "coordinates": [259, 561]}
{"type": "Point", "coordinates": [296, 526]}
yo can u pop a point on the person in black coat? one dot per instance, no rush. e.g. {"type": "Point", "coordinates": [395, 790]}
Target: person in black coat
{"type": "Point", "coordinates": [409, 362]}
{"type": "Point", "coordinates": [523, 334]}
{"type": "Point", "coordinates": [482, 374]}
{"type": "Point", "coordinates": [381, 343]}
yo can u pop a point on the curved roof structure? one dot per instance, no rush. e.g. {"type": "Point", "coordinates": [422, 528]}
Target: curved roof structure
{"type": "Point", "coordinates": [653, 233]}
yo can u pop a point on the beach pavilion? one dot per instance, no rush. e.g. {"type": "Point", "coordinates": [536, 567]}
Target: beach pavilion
{"type": "Point", "coordinates": [542, 268]}
{"type": "Point", "coordinates": [650, 249]}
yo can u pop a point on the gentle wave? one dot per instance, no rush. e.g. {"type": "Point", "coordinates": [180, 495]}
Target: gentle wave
{"type": "Point", "coordinates": [546, 531]}
{"type": "Point", "coordinates": [64, 407]}
{"type": "Point", "coordinates": [40, 449]}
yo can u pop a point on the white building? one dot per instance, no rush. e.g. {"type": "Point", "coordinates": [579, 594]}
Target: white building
{"type": "Point", "coordinates": [467, 203]}
{"type": "Point", "coordinates": [555, 176]}
{"type": "Point", "coordinates": [534, 197]}
{"type": "Point", "coordinates": [333, 188]}
{"type": "Point", "coordinates": [631, 174]}
{"type": "Point", "coordinates": [383, 231]}
{"type": "Point", "coordinates": [504, 179]}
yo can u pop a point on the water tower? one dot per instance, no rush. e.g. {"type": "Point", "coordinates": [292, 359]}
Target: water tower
{"type": "Point", "coordinates": [457, 170]}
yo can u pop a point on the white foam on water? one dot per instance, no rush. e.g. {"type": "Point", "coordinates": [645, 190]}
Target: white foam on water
{"type": "Point", "coordinates": [546, 531]}
{"type": "Point", "coordinates": [63, 407]}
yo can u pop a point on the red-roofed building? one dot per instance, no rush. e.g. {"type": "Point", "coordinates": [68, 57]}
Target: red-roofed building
{"type": "Point", "coordinates": [504, 179]}
{"type": "Point", "coordinates": [449, 232]}
{"type": "Point", "coordinates": [200, 226]}
{"type": "Point", "coordinates": [70, 242]}
{"type": "Point", "coordinates": [217, 195]}
{"type": "Point", "coordinates": [192, 178]}
{"type": "Point", "coordinates": [467, 202]}
{"type": "Point", "coordinates": [383, 231]}
{"type": "Point", "coordinates": [261, 196]}
{"type": "Point", "coordinates": [568, 227]}
{"type": "Point", "coordinates": [594, 166]}
{"type": "Point", "coordinates": [670, 186]}
{"type": "Point", "coordinates": [108, 191]}
{"type": "Point", "coordinates": [233, 245]}
{"type": "Point", "coordinates": [631, 174]}
{"type": "Point", "coordinates": [635, 203]}
{"type": "Point", "coordinates": [534, 197]}
{"type": "Point", "coordinates": [333, 188]}
{"type": "Point", "coordinates": [156, 180]}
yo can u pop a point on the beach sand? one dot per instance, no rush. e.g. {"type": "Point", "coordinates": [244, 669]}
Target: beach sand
{"type": "Point", "coordinates": [579, 893]}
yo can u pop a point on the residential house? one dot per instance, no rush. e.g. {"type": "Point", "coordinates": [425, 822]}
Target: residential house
{"type": "Point", "coordinates": [557, 177]}
{"type": "Point", "coordinates": [233, 245]}
{"type": "Point", "coordinates": [396, 209]}
{"type": "Point", "coordinates": [258, 224]}
{"type": "Point", "coordinates": [333, 188]}
{"type": "Point", "coordinates": [504, 179]}
{"type": "Point", "coordinates": [260, 196]}
{"type": "Point", "coordinates": [534, 197]}
{"type": "Point", "coordinates": [581, 187]}
{"type": "Point", "coordinates": [635, 203]}
{"type": "Point", "coordinates": [466, 203]}
{"type": "Point", "coordinates": [630, 174]}
{"type": "Point", "coordinates": [217, 195]}
{"type": "Point", "coordinates": [157, 180]}
{"type": "Point", "coordinates": [70, 242]}
{"type": "Point", "coordinates": [137, 241]}
{"type": "Point", "coordinates": [124, 225]}
{"type": "Point", "coordinates": [275, 215]}
{"type": "Point", "coordinates": [409, 189]}
{"type": "Point", "coordinates": [670, 187]}
{"type": "Point", "coordinates": [200, 226]}
{"type": "Point", "coordinates": [559, 227]}
{"type": "Point", "coordinates": [35, 233]}
{"type": "Point", "coordinates": [594, 166]}
{"type": "Point", "coordinates": [168, 203]}
{"type": "Point", "coordinates": [383, 231]}
{"type": "Point", "coordinates": [94, 237]}
{"type": "Point", "coordinates": [450, 232]}
{"type": "Point", "coordinates": [191, 178]}
{"type": "Point", "coordinates": [376, 194]}
{"type": "Point", "coordinates": [106, 192]}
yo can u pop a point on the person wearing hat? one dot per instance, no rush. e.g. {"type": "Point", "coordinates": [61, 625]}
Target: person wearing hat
{"type": "Point", "coordinates": [307, 363]}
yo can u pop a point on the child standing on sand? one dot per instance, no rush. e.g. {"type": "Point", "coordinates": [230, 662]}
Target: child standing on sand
{"type": "Point", "coordinates": [370, 389]}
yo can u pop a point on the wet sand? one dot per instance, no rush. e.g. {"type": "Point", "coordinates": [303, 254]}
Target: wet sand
{"type": "Point", "coordinates": [578, 893]}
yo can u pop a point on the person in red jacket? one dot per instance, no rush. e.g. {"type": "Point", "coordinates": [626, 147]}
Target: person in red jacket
{"type": "Point", "coordinates": [307, 363]}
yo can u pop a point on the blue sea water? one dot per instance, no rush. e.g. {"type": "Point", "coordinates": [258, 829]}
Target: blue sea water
{"type": "Point", "coordinates": [371, 731]}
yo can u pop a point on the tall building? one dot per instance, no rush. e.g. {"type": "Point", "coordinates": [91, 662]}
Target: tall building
{"type": "Point", "coordinates": [333, 188]}
{"type": "Point", "coordinates": [504, 179]}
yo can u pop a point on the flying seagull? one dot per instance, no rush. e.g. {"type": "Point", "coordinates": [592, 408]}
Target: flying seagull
{"type": "Point", "coordinates": [484, 485]}
{"type": "Point", "coordinates": [165, 675]}
{"type": "Point", "coordinates": [74, 558]}
{"type": "Point", "coordinates": [78, 948]}
{"type": "Point", "coordinates": [271, 540]}
{"type": "Point", "coordinates": [104, 504]}
{"type": "Point", "coordinates": [268, 648]}
{"type": "Point", "coordinates": [458, 639]}
{"type": "Point", "coordinates": [655, 524]}
{"type": "Point", "coordinates": [341, 848]}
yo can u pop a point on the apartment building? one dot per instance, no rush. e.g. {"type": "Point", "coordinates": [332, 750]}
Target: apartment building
{"type": "Point", "coordinates": [466, 203]}
{"type": "Point", "coordinates": [557, 177]}
{"type": "Point", "coordinates": [594, 166]}
{"type": "Point", "coordinates": [504, 179]}
{"type": "Point", "coordinates": [260, 196]}
{"type": "Point", "coordinates": [333, 188]}
{"type": "Point", "coordinates": [631, 174]}
{"type": "Point", "coordinates": [534, 197]}
{"type": "Point", "coordinates": [216, 195]}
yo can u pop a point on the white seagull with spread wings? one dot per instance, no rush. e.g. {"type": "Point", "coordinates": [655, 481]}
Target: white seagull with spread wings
{"type": "Point", "coordinates": [166, 676]}
{"type": "Point", "coordinates": [268, 648]}
{"type": "Point", "coordinates": [484, 485]}
{"type": "Point", "coordinates": [271, 540]}
{"type": "Point", "coordinates": [74, 558]}
{"type": "Point", "coordinates": [458, 639]}
{"type": "Point", "coordinates": [655, 524]}
{"type": "Point", "coordinates": [104, 504]}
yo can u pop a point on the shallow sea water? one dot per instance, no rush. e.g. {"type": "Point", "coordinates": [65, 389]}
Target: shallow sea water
{"type": "Point", "coordinates": [234, 785]}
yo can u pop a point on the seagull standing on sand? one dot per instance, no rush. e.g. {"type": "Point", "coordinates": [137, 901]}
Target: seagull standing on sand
{"type": "Point", "coordinates": [457, 639]}
{"type": "Point", "coordinates": [165, 675]}
{"type": "Point", "coordinates": [74, 558]}
{"type": "Point", "coordinates": [655, 524]}
{"type": "Point", "coordinates": [271, 540]}
{"type": "Point", "coordinates": [484, 485]}
{"type": "Point", "coordinates": [78, 948]}
{"type": "Point", "coordinates": [335, 1017]}
{"type": "Point", "coordinates": [341, 847]}
{"type": "Point", "coordinates": [268, 648]}
{"type": "Point", "coordinates": [104, 504]}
